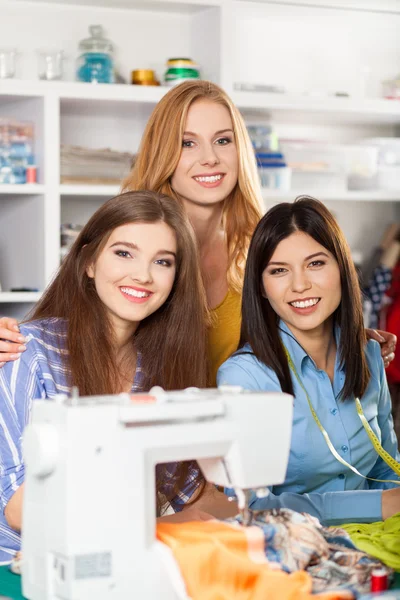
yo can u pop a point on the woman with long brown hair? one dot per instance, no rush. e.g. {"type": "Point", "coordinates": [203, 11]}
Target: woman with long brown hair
{"type": "Point", "coordinates": [120, 316]}
{"type": "Point", "coordinates": [303, 334]}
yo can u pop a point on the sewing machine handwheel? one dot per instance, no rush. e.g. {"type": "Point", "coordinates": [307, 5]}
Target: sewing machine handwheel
{"type": "Point", "coordinates": [40, 448]}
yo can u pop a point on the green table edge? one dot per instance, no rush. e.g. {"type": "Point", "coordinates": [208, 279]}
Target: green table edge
{"type": "Point", "coordinates": [10, 584]}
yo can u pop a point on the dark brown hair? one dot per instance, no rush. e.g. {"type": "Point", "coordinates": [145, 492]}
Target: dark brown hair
{"type": "Point", "coordinates": [259, 320]}
{"type": "Point", "coordinates": [172, 341]}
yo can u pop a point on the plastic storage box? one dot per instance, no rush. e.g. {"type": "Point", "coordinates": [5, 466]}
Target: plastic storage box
{"type": "Point", "coordinates": [16, 150]}
{"type": "Point", "coordinates": [388, 150]}
{"type": "Point", "coordinates": [315, 166]}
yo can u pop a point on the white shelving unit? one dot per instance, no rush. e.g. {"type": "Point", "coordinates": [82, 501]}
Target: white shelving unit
{"type": "Point", "coordinates": [278, 42]}
{"type": "Point", "coordinates": [19, 297]}
{"type": "Point", "coordinates": [378, 196]}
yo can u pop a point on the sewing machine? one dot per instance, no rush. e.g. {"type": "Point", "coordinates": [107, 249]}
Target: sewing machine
{"type": "Point", "coordinates": [89, 501]}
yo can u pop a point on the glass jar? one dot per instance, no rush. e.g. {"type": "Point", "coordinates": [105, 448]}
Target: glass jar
{"type": "Point", "coordinates": [96, 62]}
{"type": "Point", "coordinates": [7, 62]}
{"type": "Point", "coordinates": [50, 64]}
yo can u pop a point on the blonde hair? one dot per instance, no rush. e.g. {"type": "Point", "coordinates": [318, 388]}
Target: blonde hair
{"type": "Point", "coordinates": [160, 152]}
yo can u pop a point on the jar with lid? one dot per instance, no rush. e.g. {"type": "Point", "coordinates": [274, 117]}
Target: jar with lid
{"type": "Point", "coordinates": [96, 61]}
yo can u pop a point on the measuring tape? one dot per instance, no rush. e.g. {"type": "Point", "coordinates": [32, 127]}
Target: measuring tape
{"type": "Point", "coordinates": [389, 460]}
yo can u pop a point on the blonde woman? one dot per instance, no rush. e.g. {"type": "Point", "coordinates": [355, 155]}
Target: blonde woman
{"type": "Point", "coordinates": [196, 149]}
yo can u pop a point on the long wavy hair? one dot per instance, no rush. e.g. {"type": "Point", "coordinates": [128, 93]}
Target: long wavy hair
{"type": "Point", "coordinates": [260, 321]}
{"type": "Point", "coordinates": [171, 341]}
{"type": "Point", "coordinates": [160, 151]}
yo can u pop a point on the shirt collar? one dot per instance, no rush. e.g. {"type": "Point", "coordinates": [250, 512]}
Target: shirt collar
{"type": "Point", "coordinates": [297, 353]}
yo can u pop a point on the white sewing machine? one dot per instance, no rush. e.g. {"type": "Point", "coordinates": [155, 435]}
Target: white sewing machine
{"type": "Point", "coordinates": [89, 502]}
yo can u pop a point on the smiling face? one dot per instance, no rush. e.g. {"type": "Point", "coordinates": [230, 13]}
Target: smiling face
{"type": "Point", "coordinates": [302, 284]}
{"type": "Point", "coordinates": [134, 273]}
{"type": "Point", "coordinates": [207, 170]}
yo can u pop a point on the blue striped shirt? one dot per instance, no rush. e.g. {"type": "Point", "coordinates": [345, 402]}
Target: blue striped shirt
{"type": "Point", "coordinates": [42, 372]}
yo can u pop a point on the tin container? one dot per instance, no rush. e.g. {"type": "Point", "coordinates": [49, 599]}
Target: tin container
{"type": "Point", "coordinates": [144, 77]}
{"type": "Point", "coordinates": [179, 70]}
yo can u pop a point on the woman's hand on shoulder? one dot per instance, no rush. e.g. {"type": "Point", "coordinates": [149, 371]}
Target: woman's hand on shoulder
{"type": "Point", "coordinates": [390, 503]}
{"type": "Point", "coordinates": [387, 342]}
{"type": "Point", "coordinates": [10, 340]}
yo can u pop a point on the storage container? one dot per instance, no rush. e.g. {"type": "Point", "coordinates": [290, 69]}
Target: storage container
{"type": "Point", "coordinates": [276, 177]}
{"type": "Point", "coordinates": [16, 150]}
{"type": "Point", "coordinates": [316, 166]}
{"type": "Point", "coordinates": [389, 178]}
{"type": "Point", "coordinates": [388, 149]}
{"type": "Point", "coordinates": [361, 167]}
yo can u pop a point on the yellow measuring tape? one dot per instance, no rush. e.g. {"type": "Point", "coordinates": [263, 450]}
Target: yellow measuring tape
{"type": "Point", "coordinates": [389, 460]}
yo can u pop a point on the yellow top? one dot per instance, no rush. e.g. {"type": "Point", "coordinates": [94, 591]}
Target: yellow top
{"type": "Point", "coordinates": [224, 334]}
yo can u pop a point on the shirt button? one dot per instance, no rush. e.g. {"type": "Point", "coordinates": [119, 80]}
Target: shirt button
{"type": "Point", "coordinates": [334, 411]}
{"type": "Point", "coordinates": [341, 476]}
{"type": "Point", "coordinates": [345, 448]}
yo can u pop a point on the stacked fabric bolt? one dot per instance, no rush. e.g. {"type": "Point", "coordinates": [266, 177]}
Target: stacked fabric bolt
{"type": "Point", "coordinates": [86, 165]}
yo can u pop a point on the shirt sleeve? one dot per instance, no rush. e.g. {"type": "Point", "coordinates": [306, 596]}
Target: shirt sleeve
{"type": "Point", "coordinates": [381, 469]}
{"type": "Point", "coordinates": [19, 385]}
{"type": "Point", "coordinates": [191, 484]}
{"type": "Point", "coordinates": [331, 508]}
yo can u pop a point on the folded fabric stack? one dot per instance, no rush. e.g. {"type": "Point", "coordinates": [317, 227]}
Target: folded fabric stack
{"type": "Point", "coordinates": [283, 555]}
{"type": "Point", "coordinates": [86, 165]}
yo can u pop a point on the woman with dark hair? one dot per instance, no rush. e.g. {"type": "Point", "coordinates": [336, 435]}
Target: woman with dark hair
{"type": "Point", "coordinates": [112, 321]}
{"type": "Point", "coordinates": [303, 333]}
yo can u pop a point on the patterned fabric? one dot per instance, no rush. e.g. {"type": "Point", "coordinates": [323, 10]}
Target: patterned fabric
{"type": "Point", "coordinates": [299, 542]}
{"type": "Point", "coordinates": [378, 284]}
{"type": "Point", "coordinates": [283, 555]}
{"type": "Point", "coordinates": [41, 373]}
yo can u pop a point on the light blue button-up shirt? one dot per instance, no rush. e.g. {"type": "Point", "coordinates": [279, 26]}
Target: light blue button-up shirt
{"type": "Point", "coordinates": [316, 482]}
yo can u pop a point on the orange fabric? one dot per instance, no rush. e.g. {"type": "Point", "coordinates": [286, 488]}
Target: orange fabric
{"type": "Point", "coordinates": [220, 561]}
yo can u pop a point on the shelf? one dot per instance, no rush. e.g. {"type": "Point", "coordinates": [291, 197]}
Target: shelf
{"type": "Point", "coordinates": [326, 109]}
{"type": "Point", "coordinates": [74, 96]}
{"type": "Point", "coordinates": [23, 189]}
{"type": "Point", "coordinates": [11, 297]}
{"type": "Point", "coordinates": [346, 196]}
{"type": "Point", "coordinates": [180, 6]}
{"type": "Point", "coordinates": [107, 191]}
{"type": "Point", "coordinates": [78, 90]}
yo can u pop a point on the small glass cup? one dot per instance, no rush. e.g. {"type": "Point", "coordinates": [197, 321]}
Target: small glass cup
{"type": "Point", "coordinates": [7, 62]}
{"type": "Point", "coordinates": [50, 64]}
